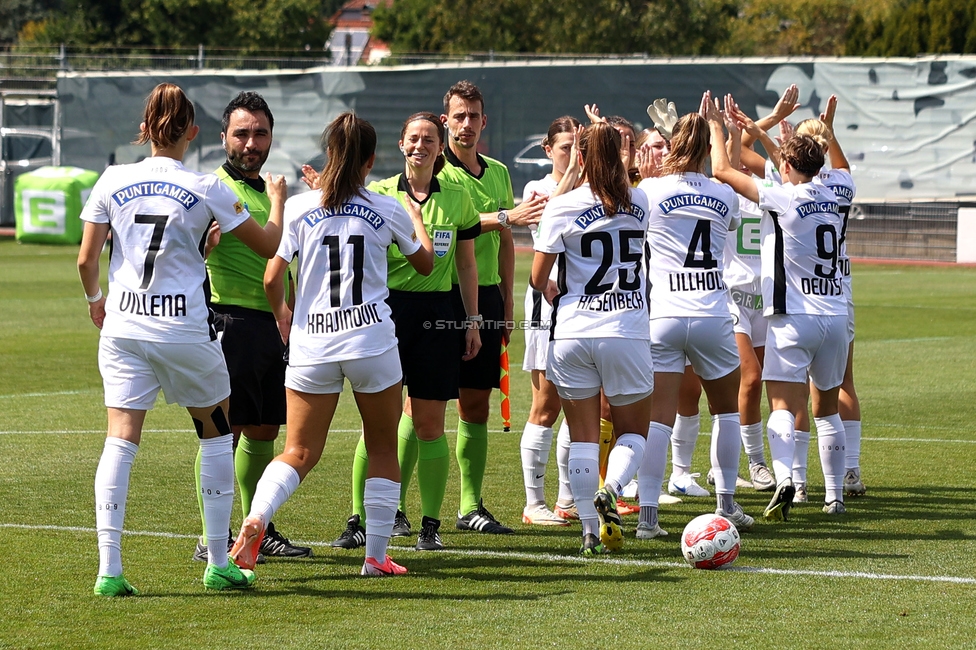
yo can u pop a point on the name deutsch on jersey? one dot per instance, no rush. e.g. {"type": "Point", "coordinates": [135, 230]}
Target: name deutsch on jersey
{"type": "Point", "coordinates": [158, 305]}
{"type": "Point", "coordinates": [822, 286]}
{"type": "Point", "coordinates": [612, 301]}
{"type": "Point", "coordinates": [368, 215]}
{"type": "Point", "coordinates": [179, 194]}
{"type": "Point", "coordinates": [696, 281]}
{"type": "Point", "coordinates": [331, 322]}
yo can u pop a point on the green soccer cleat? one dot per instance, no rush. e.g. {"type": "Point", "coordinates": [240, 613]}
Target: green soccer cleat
{"type": "Point", "coordinates": [230, 577]}
{"type": "Point", "coordinates": [114, 586]}
{"type": "Point", "coordinates": [611, 529]}
{"type": "Point", "coordinates": [592, 546]}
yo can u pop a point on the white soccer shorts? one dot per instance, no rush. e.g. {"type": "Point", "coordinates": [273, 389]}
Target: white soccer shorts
{"type": "Point", "coordinates": [802, 343]}
{"type": "Point", "coordinates": [708, 343]}
{"type": "Point", "coordinates": [370, 375]}
{"type": "Point", "coordinates": [623, 367]}
{"type": "Point", "coordinates": [193, 375]}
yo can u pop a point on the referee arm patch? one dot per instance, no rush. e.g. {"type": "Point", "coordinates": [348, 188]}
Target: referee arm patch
{"type": "Point", "coordinates": [469, 233]}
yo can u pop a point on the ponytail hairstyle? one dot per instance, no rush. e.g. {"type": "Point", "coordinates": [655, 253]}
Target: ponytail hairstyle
{"type": "Point", "coordinates": [564, 124]}
{"type": "Point", "coordinates": [439, 127]}
{"type": "Point", "coordinates": [349, 142]}
{"type": "Point", "coordinates": [167, 117]}
{"type": "Point", "coordinates": [815, 129]}
{"type": "Point", "coordinates": [604, 171]}
{"type": "Point", "coordinates": [690, 140]}
{"type": "Point", "coordinates": [805, 153]}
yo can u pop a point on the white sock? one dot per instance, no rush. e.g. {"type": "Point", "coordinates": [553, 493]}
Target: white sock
{"type": "Point", "coordinates": [779, 431]}
{"type": "Point", "coordinates": [726, 443]}
{"type": "Point", "coordinates": [830, 440]}
{"type": "Point", "coordinates": [684, 437]}
{"type": "Point", "coordinates": [624, 459]}
{"type": "Point", "coordinates": [380, 500]}
{"type": "Point", "coordinates": [111, 491]}
{"type": "Point", "coordinates": [562, 463]}
{"type": "Point", "coordinates": [654, 464]}
{"type": "Point", "coordinates": [535, 446]}
{"type": "Point", "coordinates": [801, 452]}
{"type": "Point", "coordinates": [217, 486]}
{"type": "Point", "coordinates": [752, 441]}
{"type": "Point", "coordinates": [278, 482]}
{"type": "Point", "coordinates": [852, 431]}
{"type": "Point", "coordinates": [584, 477]}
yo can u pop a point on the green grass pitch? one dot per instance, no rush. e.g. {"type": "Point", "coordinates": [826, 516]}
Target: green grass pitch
{"type": "Point", "coordinates": [895, 571]}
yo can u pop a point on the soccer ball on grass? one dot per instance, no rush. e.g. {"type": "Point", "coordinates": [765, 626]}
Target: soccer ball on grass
{"type": "Point", "coordinates": [709, 542]}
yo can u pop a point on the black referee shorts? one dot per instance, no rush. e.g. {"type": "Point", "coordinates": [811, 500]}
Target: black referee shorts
{"type": "Point", "coordinates": [427, 343]}
{"type": "Point", "coordinates": [253, 350]}
{"type": "Point", "coordinates": [484, 371]}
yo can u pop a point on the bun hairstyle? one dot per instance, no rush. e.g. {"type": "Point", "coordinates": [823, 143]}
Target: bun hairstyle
{"type": "Point", "coordinates": [805, 153]}
{"type": "Point", "coordinates": [168, 116]}
{"type": "Point", "coordinates": [349, 143]}
{"type": "Point", "coordinates": [564, 124]}
{"type": "Point", "coordinates": [689, 145]}
{"type": "Point", "coordinates": [439, 127]}
{"type": "Point", "coordinates": [600, 147]}
{"type": "Point", "coordinates": [815, 129]}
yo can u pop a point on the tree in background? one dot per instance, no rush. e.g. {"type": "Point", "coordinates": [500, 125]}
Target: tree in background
{"type": "Point", "coordinates": [913, 28]}
{"type": "Point", "coordinates": [777, 28]}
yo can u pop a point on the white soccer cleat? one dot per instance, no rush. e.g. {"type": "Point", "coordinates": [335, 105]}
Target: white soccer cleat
{"type": "Point", "coordinates": [853, 486]}
{"type": "Point", "coordinates": [685, 485]}
{"type": "Point", "coordinates": [738, 517]}
{"type": "Point", "coordinates": [542, 516]}
{"type": "Point", "coordinates": [646, 531]}
{"type": "Point", "coordinates": [666, 499]}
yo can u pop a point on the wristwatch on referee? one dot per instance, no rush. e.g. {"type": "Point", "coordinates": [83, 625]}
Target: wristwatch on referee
{"type": "Point", "coordinates": [474, 321]}
{"type": "Point", "coordinates": [503, 219]}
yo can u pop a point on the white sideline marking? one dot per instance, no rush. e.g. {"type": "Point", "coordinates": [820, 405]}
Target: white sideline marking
{"type": "Point", "coordinates": [566, 559]}
{"type": "Point", "coordinates": [60, 392]}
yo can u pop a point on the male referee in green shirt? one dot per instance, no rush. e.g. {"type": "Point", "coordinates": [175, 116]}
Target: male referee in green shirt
{"type": "Point", "coordinates": [246, 326]}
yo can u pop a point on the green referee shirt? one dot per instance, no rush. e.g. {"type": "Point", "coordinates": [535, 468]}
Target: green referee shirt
{"type": "Point", "coordinates": [449, 216]}
{"type": "Point", "coordinates": [236, 272]}
{"type": "Point", "coordinates": [491, 191]}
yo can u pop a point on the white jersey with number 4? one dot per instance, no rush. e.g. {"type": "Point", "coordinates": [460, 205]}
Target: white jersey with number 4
{"type": "Point", "coordinates": [690, 219]}
{"type": "Point", "coordinates": [801, 250]}
{"type": "Point", "coordinates": [602, 282]}
{"type": "Point", "coordinates": [340, 302]}
{"type": "Point", "coordinates": [159, 213]}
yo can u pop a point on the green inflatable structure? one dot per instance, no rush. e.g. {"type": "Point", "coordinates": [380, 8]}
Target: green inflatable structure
{"type": "Point", "coordinates": [48, 203]}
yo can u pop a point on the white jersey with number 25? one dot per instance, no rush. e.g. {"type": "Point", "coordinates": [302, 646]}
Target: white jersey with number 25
{"type": "Point", "coordinates": [159, 213]}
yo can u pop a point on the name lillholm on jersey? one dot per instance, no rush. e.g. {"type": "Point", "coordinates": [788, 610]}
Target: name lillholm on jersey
{"type": "Point", "coordinates": [179, 194]}
{"type": "Point", "coordinates": [698, 200]}
{"type": "Point", "coordinates": [696, 281]}
{"type": "Point", "coordinates": [597, 212]}
{"type": "Point", "coordinates": [160, 305]}
{"type": "Point", "coordinates": [368, 215]}
{"type": "Point", "coordinates": [343, 319]}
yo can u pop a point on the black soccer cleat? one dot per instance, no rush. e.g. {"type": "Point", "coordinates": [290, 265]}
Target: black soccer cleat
{"type": "Point", "coordinates": [482, 521]}
{"type": "Point", "coordinates": [275, 544]}
{"type": "Point", "coordinates": [354, 536]}
{"type": "Point", "coordinates": [429, 538]}
{"type": "Point", "coordinates": [401, 525]}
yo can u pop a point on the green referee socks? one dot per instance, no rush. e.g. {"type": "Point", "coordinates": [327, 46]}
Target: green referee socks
{"type": "Point", "coordinates": [360, 465]}
{"type": "Point", "coordinates": [406, 455]}
{"type": "Point", "coordinates": [472, 458]}
{"type": "Point", "coordinates": [250, 460]}
{"type": "Point", "coordinates": [433, 465]}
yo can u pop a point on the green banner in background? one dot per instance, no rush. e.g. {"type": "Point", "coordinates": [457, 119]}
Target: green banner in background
{"type": "Point", "coordinates": [48, 203]}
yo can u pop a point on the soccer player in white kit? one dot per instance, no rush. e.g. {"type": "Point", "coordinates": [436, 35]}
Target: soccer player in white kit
{"type": "Point", "coordinates": [690, 219]}
{"type": "Point", "coordinates": [341, 328]}
{"type": "Point", "coordinates": [838, 178]}
{"type": "Point", "coordinates": [600, 335]}
{"type": "Point", "coordinates": [537, 435]}
{"type": "Point", "coordinates": [156, 329]}
{"type": "Point", "coordinates": [803, 297]}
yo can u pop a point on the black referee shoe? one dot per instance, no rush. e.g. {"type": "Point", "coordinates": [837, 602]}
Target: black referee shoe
{"type": "Point", "coordinates": [482, 521]}
{"type": "Point", "coordinates": [401, 525]}
{"type": "Point", "coordinates": [354, 536]}
{"type": "Point", "coordinates": [429, 538]}
{"type": "Point", "coordinates": [275, 544]}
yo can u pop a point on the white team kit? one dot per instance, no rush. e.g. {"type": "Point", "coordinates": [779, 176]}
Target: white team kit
{"type": "Point", "coordinates": [537, 310]}
{"type": "Point", "coordinates": [743, 272]}
{"type": "Point", "coordinates": [802, 285]}
{"type": "Point", "coordinates": [341, 314]}
{"type": "Point", "coordinates": [600, 331]}
{"type": "Point", "coordinates": [689, 222]}
{"type": "Point", "coordinates": [159, 213]}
